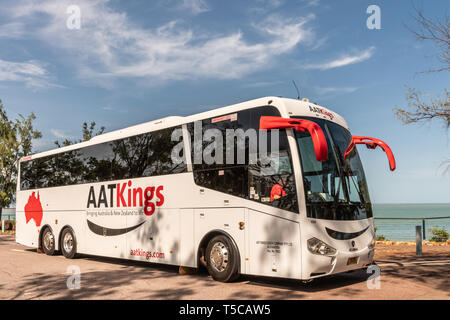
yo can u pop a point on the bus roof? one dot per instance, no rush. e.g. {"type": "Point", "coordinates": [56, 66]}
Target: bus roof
{"type": "Point", "coordinates": [287, 107]}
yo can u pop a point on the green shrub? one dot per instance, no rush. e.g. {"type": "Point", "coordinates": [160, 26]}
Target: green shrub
{"type": "Point", "coordinates": [8, 225]}
{"type": "Point", "coordinates": [379, 237]}
{"type": "Point", "coordinates": [439, 235]}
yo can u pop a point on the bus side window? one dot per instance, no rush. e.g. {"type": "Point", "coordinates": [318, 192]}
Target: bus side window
{"type": "Point", "coordinates": [143, 155]}
{"type": "Point", "coordinates": [248, 180]}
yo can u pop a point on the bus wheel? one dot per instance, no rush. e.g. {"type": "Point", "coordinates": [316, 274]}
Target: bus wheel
{"type": "Point", "coordinates": [68, 243]}
{"type": "Point", "coordinates": [222, 259]}
{"type": "Point", "coordinates": [48, 242]}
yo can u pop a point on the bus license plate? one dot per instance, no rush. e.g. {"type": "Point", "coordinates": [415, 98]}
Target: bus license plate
{"type": "Point", "coordinates": [351, 261]}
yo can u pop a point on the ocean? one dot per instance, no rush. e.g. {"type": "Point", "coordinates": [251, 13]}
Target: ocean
{"type": "Point", "coordinates": [405, 230]}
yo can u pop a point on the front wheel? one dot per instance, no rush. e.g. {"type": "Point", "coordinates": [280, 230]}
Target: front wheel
{"type": "Point", "coordinates": [222, 259]}
{"type": "Point", "coordinates": [68, 243]}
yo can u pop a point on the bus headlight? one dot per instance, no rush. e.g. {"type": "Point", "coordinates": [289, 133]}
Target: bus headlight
{"type": "Point", "coordinates": [317, 246]}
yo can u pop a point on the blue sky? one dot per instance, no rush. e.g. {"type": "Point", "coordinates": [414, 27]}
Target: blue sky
{"type": "Point", "coordinates": [134, 61]}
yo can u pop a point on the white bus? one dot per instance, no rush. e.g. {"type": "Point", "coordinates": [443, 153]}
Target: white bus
{"type": "Point", "coordinates": [122, 195]}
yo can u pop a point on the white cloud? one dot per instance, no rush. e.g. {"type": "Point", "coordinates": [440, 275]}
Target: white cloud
{"type": "Point", "coordinates": [43, 144]}
{"type": "Point", "coordinates": [265, 6]}
{"type": "Point", "coordinates": [110, 46]}
{"type": "Point", "coordinates": [195, 6]}
{"type": "Point", "coordinates": [319, 43]}
{"type": "Point", "coordinates": [11, 30]}
{"type": "Point", "coordinates": [312, 3]}
{"type": "Point", "coordinates": [261, 84]}
{"type": "Point", "coordinates": [59, 134]}
{"type": "Point", "coordinates": [343, 60]}
{"type": "Point", "coordinates": [270, 4]}
{"type": "Point", "coordinates": [32, 73]}
{"type": "Point", "coordinates": [328, 90]}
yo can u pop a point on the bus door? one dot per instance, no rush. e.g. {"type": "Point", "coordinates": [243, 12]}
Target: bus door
{"type": "Point", "coordinates": [274, 245]}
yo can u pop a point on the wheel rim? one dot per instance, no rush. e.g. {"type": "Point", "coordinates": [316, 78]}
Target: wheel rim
{"type": "Point", "coordinates": [219, 256]}
{"type": "Point", "coordinates": [48, 240]}
{"type": "Point", "coordinates": [68, 242]}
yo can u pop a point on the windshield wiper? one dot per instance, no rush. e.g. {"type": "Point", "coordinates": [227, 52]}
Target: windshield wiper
{"type": "Point", "coordinates": [361, 197]}
{"type": "Point", "coordinates": [339, 166]}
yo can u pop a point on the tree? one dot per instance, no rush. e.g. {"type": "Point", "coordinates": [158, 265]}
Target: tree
{"type": "Point", "coordinates": [16, 139]}
{"type": "Point", "coordinates": [418, 110]}
{"type": "Point", "coordinates": [88, 133]}
{"type": "Point", "coordinates": [438, 109]}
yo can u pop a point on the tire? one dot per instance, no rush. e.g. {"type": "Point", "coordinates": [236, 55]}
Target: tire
{"type": "Point", "coordinates": [48, 242]}
{"type": "Point", "coordinates": [222, 259]}
{"type": "Point", "coordinates": [68, 243]}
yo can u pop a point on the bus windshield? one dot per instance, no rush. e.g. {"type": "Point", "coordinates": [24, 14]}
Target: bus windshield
{"type": "Point", "coordinates": [335, 189]}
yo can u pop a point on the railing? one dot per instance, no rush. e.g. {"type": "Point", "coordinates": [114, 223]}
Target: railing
{"type": "Point", "coordinates": [8, 214]}
{"type": "Point", "coordinates": [423, 222]}
{"type": "Point", "coordinates": [11, 216]}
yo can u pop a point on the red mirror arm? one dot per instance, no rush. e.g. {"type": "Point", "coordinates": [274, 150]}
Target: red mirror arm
{"type": "Point", "coordinates": [318, 138]}
{"type": "Point", "coordinates": [372, 143]}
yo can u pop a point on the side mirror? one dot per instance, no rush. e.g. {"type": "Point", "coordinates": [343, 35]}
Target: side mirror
{"type": "Point", "coordinates": [372, 143]}
{"type": "Point", "coordinates": [317, 135]}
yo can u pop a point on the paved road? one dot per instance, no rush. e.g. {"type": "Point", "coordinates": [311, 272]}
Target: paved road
{"type": "Point", "coordinates": [25, 274]}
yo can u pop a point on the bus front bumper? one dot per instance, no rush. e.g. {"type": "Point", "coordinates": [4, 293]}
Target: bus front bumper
{"type": "Point", "coordinates": [342, 261]}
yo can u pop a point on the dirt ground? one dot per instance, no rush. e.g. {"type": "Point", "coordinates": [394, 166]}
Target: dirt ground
{"type": "Point", "coordinates": [25, 274]}
{"type": "Point", "coordinates": [401, 252]}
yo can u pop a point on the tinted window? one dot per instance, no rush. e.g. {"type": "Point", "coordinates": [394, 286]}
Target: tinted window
{"type": "Point", "coordinates": [143, 155]}
{"type": "Point", "coordinates": [241, 175]}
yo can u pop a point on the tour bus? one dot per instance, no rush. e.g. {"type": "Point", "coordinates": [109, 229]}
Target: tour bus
{"type": "Point", "coordinates": [268, 187]}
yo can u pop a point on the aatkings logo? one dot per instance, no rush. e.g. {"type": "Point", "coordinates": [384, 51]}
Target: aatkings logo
{"type": "Point", "coordinates": [321, 111]}
{"type": "Point", "coordinates": [122, 195]}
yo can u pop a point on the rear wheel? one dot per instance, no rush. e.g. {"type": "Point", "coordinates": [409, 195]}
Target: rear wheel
{"type": "Point", "coordinates": [68, 243]}
{"type": "Point", "coordinates": [222, 259]}
{"type": "Point", "coordinates": [48, 242]}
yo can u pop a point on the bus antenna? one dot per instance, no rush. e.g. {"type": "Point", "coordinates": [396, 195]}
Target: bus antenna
{"type": "Point", "coordinates": [296, 88]}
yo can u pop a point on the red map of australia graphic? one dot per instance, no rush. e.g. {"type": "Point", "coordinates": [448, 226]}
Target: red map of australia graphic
{"type": "Point", "coordinates": [33, 209]}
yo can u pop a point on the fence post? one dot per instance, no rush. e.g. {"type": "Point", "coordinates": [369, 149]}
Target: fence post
{"type": "Point", "coordinates": [418, 241]}
{"type": "Point", "coordinates": [424, 230]}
